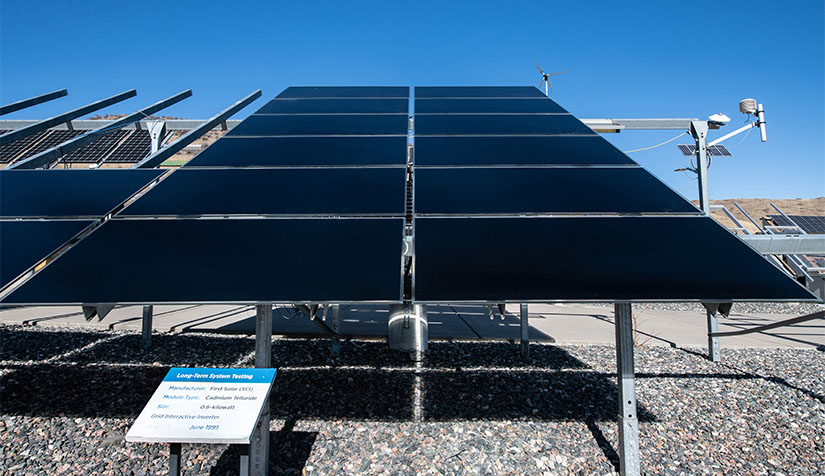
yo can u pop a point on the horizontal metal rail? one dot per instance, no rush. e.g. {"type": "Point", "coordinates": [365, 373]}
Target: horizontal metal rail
{"type": "Point", "coordinates": [65, 117]}
{"type": "Point", "coordinates": [16, 106]}
{"type": "Point", "coordinates": [55, 153]}
{"type": "Point", "coordinates": [158, 157]}
{"type": "Point", "coordinates": [786, 245]}
{"type": "Point", "coordinates": [767, 327]}
{"type": "Point", "coordinates": [618, 125]}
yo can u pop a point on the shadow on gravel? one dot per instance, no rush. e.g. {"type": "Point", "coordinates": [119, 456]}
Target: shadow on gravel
{"type": "Point", "coordinates": [289, 451]}
{"type": "Point", "coordinates": [22, 344]}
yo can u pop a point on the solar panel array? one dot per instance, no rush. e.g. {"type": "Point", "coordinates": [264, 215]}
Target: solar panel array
{"type": "Point", "coordinates": [812, 224]}
{"type": "Point", "coordinates": [512, 199]}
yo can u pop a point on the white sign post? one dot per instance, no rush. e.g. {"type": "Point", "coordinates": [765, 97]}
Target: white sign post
{"type": "Point", "coordinates": [194, 405]}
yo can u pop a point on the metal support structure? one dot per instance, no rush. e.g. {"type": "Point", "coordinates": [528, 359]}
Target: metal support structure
{"type": "Point", "coordinates": [259, 444]}
{"type": "Point", "coordinates": [629, 460]}
{"type": "Point", "coordinates": [699, 131]}
{"type": "Point", "coordinates": [146, 332]}
{"type": "Point", "coordinates": [89, 124]}
{"type": "Point", "coordinates": [408, 328]}
{"type": "Point", "coordinates": [65, 117]}
{"type": "Point", "coordinates": [244, 453]}
{"type": "Point", "coordinates": [174, 459]}
{"type": "Point", "coordinates": [335, 325]}
{"type": "Point", "coordinates": [16, 106]}
{"type": "Point", "coordinates": [158, 157]}
{"type": "Point", "coordinates": [524, 348]}
{"type": "Point", "coordinates": [714, 352]}
{"type": "Point", "coordinates": [54, 154]}
{"type": "Point", "coordinates": [618, 125]}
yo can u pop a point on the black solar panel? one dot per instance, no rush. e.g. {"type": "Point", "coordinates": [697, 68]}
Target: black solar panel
{"type": "Point", "coordinates": [487, 106]}
{"type": "Point", "coordinates": [303, 151]}
{"type": "Point", "coordinates": [291, 125]}
{"type": "Point", "coordinates": [24, 243]}
{"type": "Point", "coordinates": [346, 92]}
{"type": "Point", "coordinates": [13, 150]}
{"type": "Point", "coordinates": [135, 148]}
{"type": "Point", "coordinates": [234, 260]}
{"type": "Point", "coordinates": [477, 92]}
{"type": "Point", "coordinates": [97, 150]}
{"type": "Point", "coordinates": [68, 192]}
{"type": "Point", "coordinates": [456, 124]}
{"type": "Point", "coordinates": [813, 224]}
{"type": "Point", "coordinates": [335, 106]}
{"type": "Point", "coordinates": [590, 258]}
{"type": "Point", "coordinates": [517, 191]}
{"type": "Point", "coordinates": [512, 150]}
{"type": "Point", "coordinates": [328, 192]}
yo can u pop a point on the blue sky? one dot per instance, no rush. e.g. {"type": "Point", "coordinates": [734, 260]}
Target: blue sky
{"type": "Point", "coordinates": [627, 59]}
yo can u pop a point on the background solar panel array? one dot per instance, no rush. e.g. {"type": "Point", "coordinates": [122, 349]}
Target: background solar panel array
{"type": "Point", "coordinates": [122, 146]}
{"type": "Point", "coordinates": [11, 151]}
{"type": "Point", "coordinates": [813, 224]}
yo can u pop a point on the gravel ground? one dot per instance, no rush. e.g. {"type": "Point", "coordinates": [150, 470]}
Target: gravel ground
{"type": "Point", "coordinates": [67, 397]}
{"type": "Point", "coordinates": [795, 308]}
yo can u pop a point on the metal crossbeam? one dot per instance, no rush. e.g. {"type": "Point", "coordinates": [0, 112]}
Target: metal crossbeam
{"type": "Point", "coordinates": [55, 153]}
{"type": "Point", "coordinates": [618, 125]}
{"type": "Point", "coordinates": [16, 106]}
{"type": "Point", "coordinates": [65, 117]}
{"type": "Point", "coordinates": [160, 156]}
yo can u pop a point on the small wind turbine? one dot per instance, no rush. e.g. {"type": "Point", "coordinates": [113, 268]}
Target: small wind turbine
{"type": "Point", "coordinates": [545, 79]}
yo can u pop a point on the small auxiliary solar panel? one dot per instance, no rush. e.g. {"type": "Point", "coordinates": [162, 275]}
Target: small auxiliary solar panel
{"type": "Point", "coordinates": [813, 224]}
{"type": "Point", "coordinates": [135, 148]}
{"type": "Point", "coordinates": [717, 150]}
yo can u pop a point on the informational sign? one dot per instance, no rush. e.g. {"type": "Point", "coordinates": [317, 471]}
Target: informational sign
{"type": "Point", "coordinates": [204, 406]}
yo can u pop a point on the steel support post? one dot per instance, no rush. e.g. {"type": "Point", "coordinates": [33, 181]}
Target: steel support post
{"type": "Point", "coordinates": [699, 131]}
{"type": "Point", "coordinates": [146, 333]}
{"type": "Point", "coordinates": [714, 352]}
{"type": "Point", "coordinates": [629, 461]}
{"type": "Point", "coordinates": [335, 325]}
{"type": "Point", "coordinates": [174, 459]}
{"type": "Point", "coordinates": [259, 444]}
{"type": "Point", "coordinates": [244, 451]}
{"type": "Point", "coordinates": [525, 332]}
